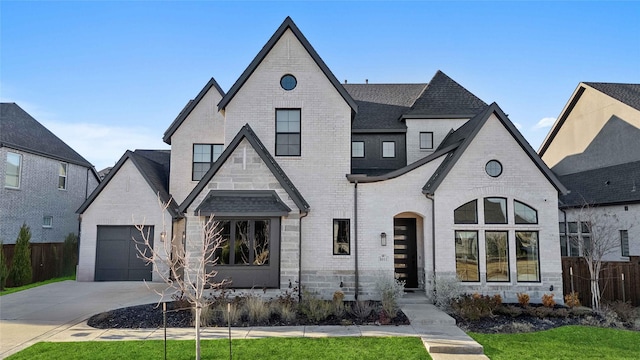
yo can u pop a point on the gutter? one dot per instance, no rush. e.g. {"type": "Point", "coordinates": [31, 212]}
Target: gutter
{"type": "Point", "coordinates": [433, 238]}
{"type": "Point", "coordinates": [355, 240]}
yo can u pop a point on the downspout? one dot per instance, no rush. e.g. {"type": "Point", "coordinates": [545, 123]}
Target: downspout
{"type": "Point", "coordinates": [433, 238]}
{"type": "Point", "coordinates": [355, 240]}
{"type": "Point", "coordinates": [300, 256]}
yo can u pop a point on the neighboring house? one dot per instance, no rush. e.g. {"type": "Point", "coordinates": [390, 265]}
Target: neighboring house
{"type": "Point", "coordinates": [43, 179]}
{"type": "Point", "coordinates": [594, 149]}
{"type": "Point", "coordinates": [334, 185]}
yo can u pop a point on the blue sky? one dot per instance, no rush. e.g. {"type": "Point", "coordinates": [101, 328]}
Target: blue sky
{"type": "Point", "coordinates": [111, 76]}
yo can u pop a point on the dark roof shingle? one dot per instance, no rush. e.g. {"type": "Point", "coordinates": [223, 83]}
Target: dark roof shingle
{"type": "Point", "coordinates": [380, 106]}
{"type": "Point", "coordinates": [21, 131]}
{"type": "Point", "coordinates": [626, 93]}
{"type": "Point", "coordinates": [445, 97]}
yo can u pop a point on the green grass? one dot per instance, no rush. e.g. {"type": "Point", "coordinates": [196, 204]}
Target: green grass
{"type": "Point", "coordinates": [567, 342]}
{"type": "Point", "coordinates": [29, 286]}
{"type": "Point", "coordinates": [264, 349]}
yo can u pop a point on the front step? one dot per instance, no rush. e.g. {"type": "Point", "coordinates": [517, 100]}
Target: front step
{"type": "Point", "coordinates": [426, 315]}
{"type": "Point", "coordinates": [450, 340]}
{"type": "Point", "coordinates": [414, 297]}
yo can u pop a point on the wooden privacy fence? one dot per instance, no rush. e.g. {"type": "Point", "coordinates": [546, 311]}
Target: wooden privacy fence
{"type": "Point", "coordinates": [612, 285]}
{"type": "Point", "coordinates": [46, 260]}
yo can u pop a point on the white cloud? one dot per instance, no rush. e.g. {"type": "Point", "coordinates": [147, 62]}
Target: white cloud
{"type": "Point", "coordinates": [103, 145]}
{"type": "Point", "coordinates": [517, 125]}
{"type": "Point", "coordinates": [544, 123]}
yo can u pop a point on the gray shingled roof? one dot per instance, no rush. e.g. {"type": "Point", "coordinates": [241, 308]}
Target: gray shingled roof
{"type": "Point", "coordinates": [616, 184]}
{"type": "Point", "coordinates": [445, 97]}
{"type": "Point", "coordinates": [626, 93]}
{"type": "Point", "coordinates": [242, 202]}
{"type": "Point", "coordinates": [153, 165]}
{"type": "Point", "coordinates": [20, 131]}
{"type": "Point", "coordinates": [380, 106]}
{"type": "Point", "coordinates": [247, 133]}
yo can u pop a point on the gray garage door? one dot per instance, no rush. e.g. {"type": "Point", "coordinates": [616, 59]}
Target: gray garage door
{"type": "Point", "coordinates": [116, 254]}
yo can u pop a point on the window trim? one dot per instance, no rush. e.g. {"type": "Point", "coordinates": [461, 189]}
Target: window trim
{"type": "Point", "coordinates": [363, 149]}
{"type": "Point", "coordinates": [515, 218]}
{"type": "Point", "coordinates": [476, 212]}
{"type": "Point", "coordinates": [477, 254]}
{"type": "Point", "coordinates": [251, 225]}
{"type": "Point", "coordinates": [336, 244]}
{"type": "Point", "coordinates": [212, 158]}
{"type": "Point", "coordinates": [420, 140]}
{"type": "Point", "coordinates": [486, 168]}
{"type": "Point", "coordinates": [19, 175]}
{"type": "Point", "coordinates": [394, 150]}
{"type": "Point", "coordinates": [622, 243]}
{"type": "Point", "coordinates": [275, 142]}
{"type": "Point", "coordinates": [539, 275]}
{"type": "Point", "coordinates": [288, 76]}
{"type": "Point", "coordinates": [64, 166]}
{"type": "Point", "coordinates": [47, 222]}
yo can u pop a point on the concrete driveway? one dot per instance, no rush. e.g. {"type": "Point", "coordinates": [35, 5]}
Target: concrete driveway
{"type": "Point", "coordinates": [29, 316]}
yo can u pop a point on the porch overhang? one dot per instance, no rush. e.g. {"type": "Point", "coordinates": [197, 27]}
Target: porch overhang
{"type": "Point", "coordinates": [245, 203]}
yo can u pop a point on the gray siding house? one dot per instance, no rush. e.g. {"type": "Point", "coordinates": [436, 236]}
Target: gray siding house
{"type": "Point", "coordinates": [43, 180]}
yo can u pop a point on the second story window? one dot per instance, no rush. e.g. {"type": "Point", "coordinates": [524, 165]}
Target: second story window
{"type": "Point", "coordinates": [62, 176]}
{"type": "Point", "coordinates": [357, 149]}
{"type": "Point", "coordinates": [426, 140]}
{"type": "Point", "coordinates": [203, 156]}
{"type": "Point", "coordinates": [287, 132]}
{"type": "Point", "coordinates": [12, 171]}
{"type": "Point", "coordinates": [388, 149]}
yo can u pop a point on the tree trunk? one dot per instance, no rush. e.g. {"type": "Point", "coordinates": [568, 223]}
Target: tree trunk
{"type": "Point", "coordinates": [198, 310]}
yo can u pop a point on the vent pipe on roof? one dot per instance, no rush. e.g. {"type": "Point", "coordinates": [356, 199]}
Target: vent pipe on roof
{"type": "Point", "coordinates": [345, 81]}
{"type": "Point", "coordinates": [366, 81]}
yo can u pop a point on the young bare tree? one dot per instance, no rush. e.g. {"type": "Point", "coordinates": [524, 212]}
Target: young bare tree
{"type": "Point", "coordinates": [189, 273]}
{"type": "Point", "coordinates": [599, 237]}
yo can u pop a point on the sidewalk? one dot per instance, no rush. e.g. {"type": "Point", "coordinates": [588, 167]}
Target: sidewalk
{"type": "Point", "coordinates": [58, 312]}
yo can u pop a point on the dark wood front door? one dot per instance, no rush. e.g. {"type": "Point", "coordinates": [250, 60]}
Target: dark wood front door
{"type": "Point", "coordinates": [405, 257]}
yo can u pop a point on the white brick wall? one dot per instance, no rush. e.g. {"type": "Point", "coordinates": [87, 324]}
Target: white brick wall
{"type": "Point", "coordinates": [205, 125]}
{"type": "Point", "coordinates": [126, 200]}
{"type": "Point", "coordinates": [520, 180]}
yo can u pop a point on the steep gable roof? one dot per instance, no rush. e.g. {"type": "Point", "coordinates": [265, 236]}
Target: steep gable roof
{"type": "Point", "coordinates": [189, 108]}
{"type": "Point", "coordinates": [247, 133]}
{"type": "Point", "coordinates": [288, 24]}
{"type": "Point", "coordinates": [628, 94]}
{"type": "Point", "coordinates": [465, 135]}
{"type": "Point", "coordinates": [153, 165]}
{"type": "Point", "coordinates": [618, 184]}
{"type": "Point", "coordinates": [443, 97]}
{"type": "Point", "coordinates": [20, 131]}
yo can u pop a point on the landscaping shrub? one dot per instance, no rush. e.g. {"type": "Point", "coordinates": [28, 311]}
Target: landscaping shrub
{"type": "Point", "coordinates": [314, 308]}
{"type": "Point", "coordinates": [338, 303]}
{"type": "Point", "coordinates": [624, 310]}
{"type": "Point", "coordinates": [571, 299]}
{"type": "Point", "coordinates": [509, 310]}
{"type": "Point", "coordinates": [390, 291]}
{"type": "Point", "coordinates": [475, 307]}
{"type": "Point", "coordinates": [69, 254]}
{"type": "Point", "coordinates": [287, 313]}
{"type": "Point", "coordinates": [21, 273]}
{"type": "Point", "coordinates": [547, 300]}
{"type": "Point", "coordinates": [361, 309]}
{"type": "Point", "coordinates": [4, 272]}
{"type": "Point", "coordinates": [231, 313]}
{"type": "Point", "coordinates": [447, 290]}
{"type": "Point", "coordinates": [523, 299]}
{"type": "Point", "coordinates": [256, 308]}
{"type": "Point", "coordinates": [541, 312]}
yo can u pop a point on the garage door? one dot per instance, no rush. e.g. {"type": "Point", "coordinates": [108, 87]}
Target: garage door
{"type": "Point", "coordinates": [116, 254]}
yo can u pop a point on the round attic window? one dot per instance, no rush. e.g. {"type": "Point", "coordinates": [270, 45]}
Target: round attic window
{"type": "Point", "coordinates": [288, 82]}
{"type": "Point", "coordinates": [493, 168]}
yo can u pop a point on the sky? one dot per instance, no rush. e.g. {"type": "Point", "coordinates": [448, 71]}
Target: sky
{"type": "Point", "coordinates": [111, 76]}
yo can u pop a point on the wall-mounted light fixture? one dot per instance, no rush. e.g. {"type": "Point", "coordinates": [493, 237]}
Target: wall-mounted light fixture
{"type": "Point", "coordinates": [163, 235]}
{"type": "Point", "coordinates": [383, 239]}
{"type": "Point", "coordinates": [184, 236]}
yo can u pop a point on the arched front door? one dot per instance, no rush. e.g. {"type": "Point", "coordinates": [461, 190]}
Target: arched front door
{"type": "Point", "coordinates": [405, 253]}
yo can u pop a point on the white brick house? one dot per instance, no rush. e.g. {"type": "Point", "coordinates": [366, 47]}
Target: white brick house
{"type": "Point", "coordinates": [333, 185]}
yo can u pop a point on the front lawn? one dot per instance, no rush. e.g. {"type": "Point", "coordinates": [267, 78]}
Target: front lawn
{"type": "Point", "coordinates": [12, 290]}
{"type": "Point", "coordinates": [265, 349]}
{"type": "Point", "coordinates": [567, 342]}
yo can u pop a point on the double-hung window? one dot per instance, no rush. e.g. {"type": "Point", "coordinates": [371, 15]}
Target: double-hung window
{"type": "Point", "coordinates": [388, 149]}
{"type": "Point", "coordinates": [288, 132]}
{"type": "Point", "coordinates": [624, 242]}
{"type": "Point", "coordinates": [204, 155]}
{"type": "Point", "coordinates": [426, 140]}
{"type": "Point", "coordinates": [62, 176]}
{"type": "Point", "coordinates": [12, 171]}
{"type": "Point", "coordinates": [357, 149]}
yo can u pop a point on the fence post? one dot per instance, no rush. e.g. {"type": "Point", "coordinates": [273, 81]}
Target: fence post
{"type": "Point", "coordinates": [571, 276]}
{"type": "Point", "coordinates": [623, 295]}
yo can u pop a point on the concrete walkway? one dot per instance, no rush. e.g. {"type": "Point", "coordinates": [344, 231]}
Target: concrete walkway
{"type": "Point", "coordinates": [59, 312]}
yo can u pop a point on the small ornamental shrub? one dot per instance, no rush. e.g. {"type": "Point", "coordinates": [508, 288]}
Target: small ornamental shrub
{"type": "Point", "coordinates": [390, 290]}
{"type": "Point", "coordinates": [474, 307]}
{"type": "Point", "coordinates": [447, 290]}
{"type": "Point", "coordinates": [547, 300]}
{"type": "Point", "coordinates": [497, 299]}
{"type": "Point", "coordinates": [256, 309]}
{"type": "Point", "coordinates": [287, 313]}
{"type": "Point", "coordinates": [541, 312]}
{"type": "Point", "coordinates": [361, 309]}
{"type": "Point", "coordinates": [314, 308]}
{"type": "Point", "coordinates": [624, 310]}
{"type": "Point", "coordinates": [560, 313]}
{"type": "Point", "coordinates": [69, 254]}
{"type": "Point", "coordinates": [509, 310]}
{"type": "Point", "coordinates": [21, 272]}
{"type": "Point", "coordinates": [571, 299]}
{"type": "Point", "coordinates": [231, 313]}
{"type": "Point", "coordinates": [523, 299]}
{"type": "Point", "coordinates": [4, 271]}
{"type": "Point", "coordinates": [338, 304]}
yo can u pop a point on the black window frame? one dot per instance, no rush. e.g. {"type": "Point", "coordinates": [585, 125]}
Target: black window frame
{"type": "Point", "coordinates": [420, 140]}
{"type": "Point", "coordinates": [515, 214]}
{"type": "Point", "coordinates": [459, 208]}
{"type": "Point", "coordinates": [363, 149]}
{"type": "Point", "coordinates": [338, 246]}
{"type": "Point", "coordinates": [212, 158]}
{"type": "Point", "coordinates": [63, 178]}
{"type": "Point", "coordinates": [288, 133]}
{"type": "Point", "coordinates": [506, 210]}
{"type": "Point", "coordinates": [395, 150]}
{"type": "Point", "coordinates": [487, 167]}
{"type": "Point", "coordinates": [458, 242]}
{"type": "Point", "coordinates": [486, 257]}
{"type": "Point", "coordinates": [520, 250]}
{"type": "Point", "coordinates": [624, 238]}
